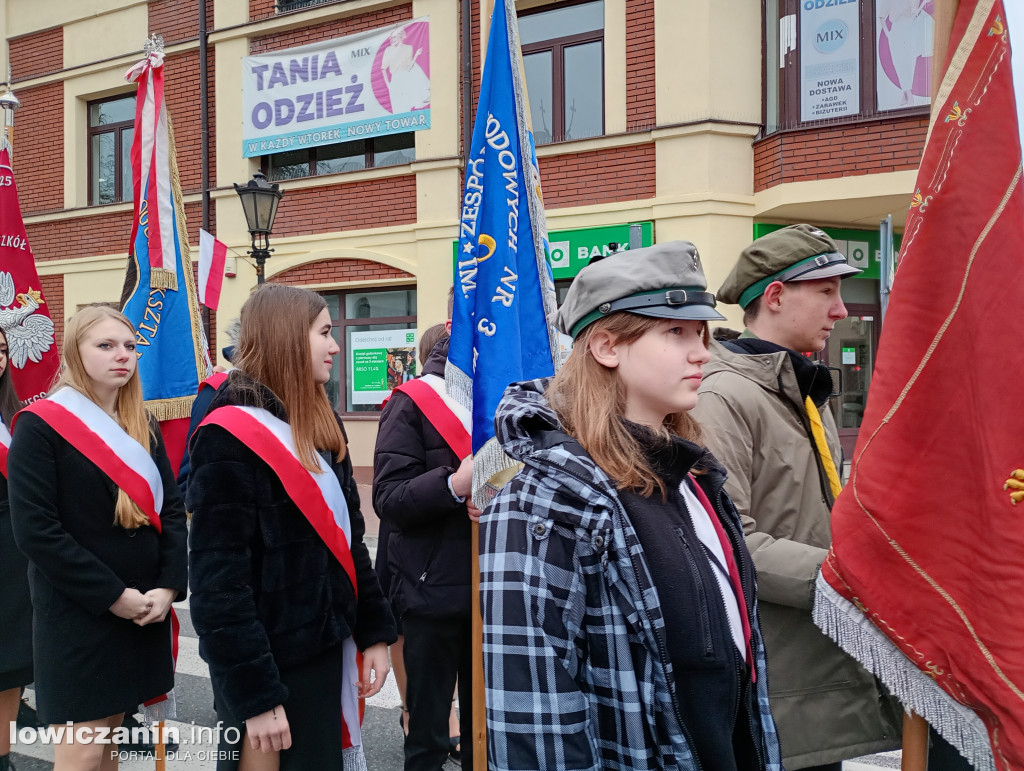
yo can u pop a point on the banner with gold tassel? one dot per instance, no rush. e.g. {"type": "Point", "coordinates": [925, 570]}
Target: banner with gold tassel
{"type": "Point", "coordinates": [159, 295]}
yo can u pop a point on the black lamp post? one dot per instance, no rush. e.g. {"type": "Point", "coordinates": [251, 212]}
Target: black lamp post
{"type": "Point", "coordinates": [259, 202]}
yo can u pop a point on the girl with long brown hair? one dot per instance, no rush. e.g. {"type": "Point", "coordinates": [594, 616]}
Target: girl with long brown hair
{"type": "Point", "coordinates": [283, 591]}
{"type": "Point", "coordinates": [99, 517]}
{"type": "Point", "coordinates": [619, 607]}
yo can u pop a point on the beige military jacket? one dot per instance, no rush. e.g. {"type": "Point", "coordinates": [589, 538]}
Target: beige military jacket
{"type": "Point", "coordinates": [827, 707]}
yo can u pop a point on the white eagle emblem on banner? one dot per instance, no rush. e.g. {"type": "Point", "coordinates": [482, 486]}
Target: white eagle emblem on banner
{"type": "Point", "coordinates": [29, 334]}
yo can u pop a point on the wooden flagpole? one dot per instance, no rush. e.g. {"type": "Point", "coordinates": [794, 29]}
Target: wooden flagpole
{"type": "Point", "coordinates": [479, 693]}
{"type": "Point", "coordinates": [915, 728]}
{"type": "Point", "coordinates": [159, 751]}
{"type": "Point", "coordinates": [915, 743]}
{"type": "Point", "coordinates": [479, 738]}
{"type": "Point", "coordinates": [944, 15]}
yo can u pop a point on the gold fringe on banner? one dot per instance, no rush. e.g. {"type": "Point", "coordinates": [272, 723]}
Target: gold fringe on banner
{"type": "Point", "coordinates": [171, 409]}
{"type": "Point", "coordinates": [159, 278]}
{"type": "Point", "coordinates": [181, 406]}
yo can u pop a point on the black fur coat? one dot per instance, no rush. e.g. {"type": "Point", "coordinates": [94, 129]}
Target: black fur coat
{"type": "Point", "coordinates": [267, 594]}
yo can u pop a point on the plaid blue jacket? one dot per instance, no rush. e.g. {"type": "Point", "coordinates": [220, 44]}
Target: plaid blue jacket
{"type": "Point", "coordinates": [574, 665]}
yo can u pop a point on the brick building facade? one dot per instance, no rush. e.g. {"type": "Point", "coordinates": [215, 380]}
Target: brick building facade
{"type": "Point", "coordinates": [646, 111]}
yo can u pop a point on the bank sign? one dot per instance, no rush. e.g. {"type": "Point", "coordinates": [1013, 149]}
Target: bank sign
{"type": "Point", "coordinates": [366, 85]}
{"type": "Point", "coordinates": [572, 250]}
{"type": "Point", "coordinates": [829, 59]}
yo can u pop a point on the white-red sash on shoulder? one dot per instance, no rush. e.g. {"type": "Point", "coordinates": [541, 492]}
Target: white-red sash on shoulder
{"type": "Point", "coordinates": [451, 419]}
{"type": "Point", "coordinates": [214, 381]}
{"type": "Point", "coordinates": [91, 431]}
{"type": "Point", "coordinates": [5, 445]}
{"type": "Point", "coordinates": [322, 501]}
{"type": "Point", "coordinates": [318, 496]}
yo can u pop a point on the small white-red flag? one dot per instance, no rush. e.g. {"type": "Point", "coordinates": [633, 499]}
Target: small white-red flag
{"type": "Point", "coordinates": [212, 257]}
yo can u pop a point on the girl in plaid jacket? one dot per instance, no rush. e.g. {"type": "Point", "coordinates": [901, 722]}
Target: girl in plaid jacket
{"type": "Point", "coordinates": [619, 600]}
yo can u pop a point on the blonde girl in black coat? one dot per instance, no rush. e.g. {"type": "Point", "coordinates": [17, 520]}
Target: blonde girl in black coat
{"type": "Point", "coordinates": [104, 564]}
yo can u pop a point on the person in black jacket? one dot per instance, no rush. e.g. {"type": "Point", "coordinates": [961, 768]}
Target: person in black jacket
{"type": "Point", "coordinates": [15, 606]}
{"type": "Point", "coordinates": [271, 602]}
{"type": "Point", "coordinates": [421, 490]}
{"type": "Point", "coordinates": [201, 405]}
{"type": "Point", "coordinates": [431, 337]}
{"type": "Point", "coordinates": [103, 571]}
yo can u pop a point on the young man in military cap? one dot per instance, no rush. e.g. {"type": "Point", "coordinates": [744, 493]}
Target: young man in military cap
{"type": "Point", "coordinates": [764, 409]}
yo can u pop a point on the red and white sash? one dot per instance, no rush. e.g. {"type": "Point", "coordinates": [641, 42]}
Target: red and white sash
{"type": "Point", "coordinates": [322, 501]}
{"type": "Point", "coordinates": [91, 431]}
{"type": "Point", "coordinates": [214, 381]}
{"type": "Point", "coordinates": [452, 421]}
{"type": "Point", "coordinates": [5, 445]}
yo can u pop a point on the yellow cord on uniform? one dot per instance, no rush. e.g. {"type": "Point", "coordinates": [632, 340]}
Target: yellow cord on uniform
{"type": "Point", "coordinates": [818, 430]}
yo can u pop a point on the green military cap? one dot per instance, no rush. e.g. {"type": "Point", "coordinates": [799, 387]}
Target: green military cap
{"type": "Point", "coordinates": [794, 253]}
{"type": "Point", "coordinates": [664, 281]}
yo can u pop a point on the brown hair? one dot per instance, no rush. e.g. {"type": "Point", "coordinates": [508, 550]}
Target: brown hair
{"type": "Point", "coordinates": [590, 402]}
{"type": "Point", "coordinates": [274, 350]}
{"type": "Point", "coordinates": [430, 338]}
{"type": "Point", "coordinates": [129, 405]}
{"type": "Point", "coordinates": [9, 401]}
{"type": "Point", "coordinates": [752, 311]}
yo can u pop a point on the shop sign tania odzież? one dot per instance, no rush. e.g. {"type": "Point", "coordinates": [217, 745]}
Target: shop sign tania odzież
{"type": "Point", "coordinates": [371, 84]}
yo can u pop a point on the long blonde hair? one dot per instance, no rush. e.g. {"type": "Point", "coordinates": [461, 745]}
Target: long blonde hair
{"type": "Point", "coordinates": [591, 401]}
{"type": "Point", "coordinates": [129, 404]}
{"type": "Point", "coordinates": [274, 350]}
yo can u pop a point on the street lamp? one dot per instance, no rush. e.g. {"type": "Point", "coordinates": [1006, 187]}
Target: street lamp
{"type": "Point", "coordinates": [259, 202]}
{"type": "Point", "coordinates": [8, 104]}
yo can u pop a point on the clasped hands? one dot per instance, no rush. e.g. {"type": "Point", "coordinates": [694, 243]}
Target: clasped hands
{"type": "Point", "coordinates": [149, 608]}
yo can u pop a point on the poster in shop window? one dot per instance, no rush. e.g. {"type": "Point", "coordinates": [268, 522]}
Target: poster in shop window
{"type": "Point", "coordinates": [357, 87]}
{"type": "Point", "coordinates": [829, 59]}
{"type": "Point", "coordinates": [904, 31]}
{"type": "Point", "coordinates": [380, 362]}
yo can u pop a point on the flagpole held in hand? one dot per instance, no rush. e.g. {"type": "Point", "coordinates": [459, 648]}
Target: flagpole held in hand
{"type": "Point", "coordinates": [504, 292]}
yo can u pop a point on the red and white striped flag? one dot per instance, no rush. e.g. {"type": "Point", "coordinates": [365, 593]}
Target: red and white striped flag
{"type": "Point", "coordinates": [213, 255]}
{"type": "Point", "coordinates": [151, 168]}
